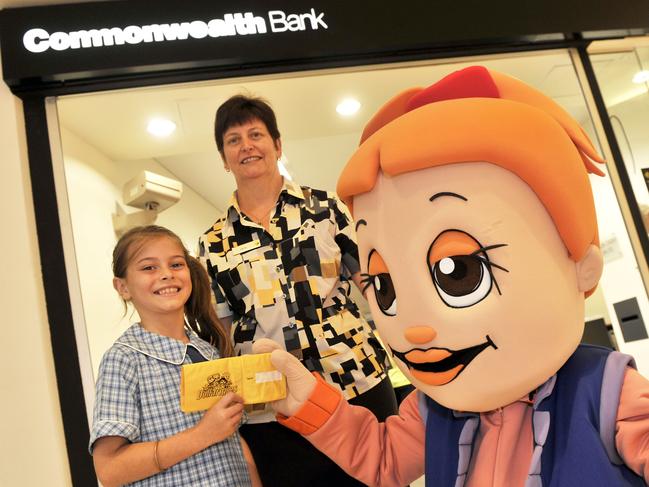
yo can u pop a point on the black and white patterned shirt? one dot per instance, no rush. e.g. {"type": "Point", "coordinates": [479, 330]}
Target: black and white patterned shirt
{"type": "Point", "coordinates": [291, 283]}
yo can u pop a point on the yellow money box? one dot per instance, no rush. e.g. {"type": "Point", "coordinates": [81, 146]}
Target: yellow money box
{"type": "Point", "coordinates": [253, 377]}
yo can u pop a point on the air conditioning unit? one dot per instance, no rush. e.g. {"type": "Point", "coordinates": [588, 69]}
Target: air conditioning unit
{"type": "Point", "coordinates": [150, 191]}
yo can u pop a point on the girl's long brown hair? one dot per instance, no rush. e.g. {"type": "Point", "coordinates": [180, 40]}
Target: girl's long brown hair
{"type": "Point", "coordinates": [199, 310]}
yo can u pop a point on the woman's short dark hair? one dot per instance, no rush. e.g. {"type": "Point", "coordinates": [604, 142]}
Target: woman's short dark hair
{"type": "Point", "coordinates": [240, 109]}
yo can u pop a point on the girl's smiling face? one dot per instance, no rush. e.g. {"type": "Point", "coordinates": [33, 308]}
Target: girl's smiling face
{"type": "Point", "coordinates": [470, 284]}
{"type": "Point", "coordinates": [157, 280]}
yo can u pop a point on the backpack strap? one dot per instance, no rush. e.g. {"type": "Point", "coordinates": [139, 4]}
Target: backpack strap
{"type": "Point", "coordinates": [612, 381]}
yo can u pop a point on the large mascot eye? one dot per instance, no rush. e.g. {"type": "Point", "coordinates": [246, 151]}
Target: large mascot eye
{"type": "Point", "coordinates": [385, 295]}
{"type": "Point", "coordinates": [378, 277]}
{"type": "Point", "coordinates": [461, 270]}
{"type": "Point", "coordinates": [461, 280]}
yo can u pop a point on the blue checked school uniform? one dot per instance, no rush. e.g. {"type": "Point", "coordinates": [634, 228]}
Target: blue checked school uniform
{"type": "Point", "coordinates": [138, 398]}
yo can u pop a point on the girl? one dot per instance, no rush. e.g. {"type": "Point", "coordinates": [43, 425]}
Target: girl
{"type": "Point", "coordinates": [140, 436]}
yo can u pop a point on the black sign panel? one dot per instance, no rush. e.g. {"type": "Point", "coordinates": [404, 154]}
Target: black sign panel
{"type": "Point", "coordinates": [110, 38]}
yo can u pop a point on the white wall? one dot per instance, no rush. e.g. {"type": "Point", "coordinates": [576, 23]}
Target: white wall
{"type": "Point", "coordinates": [302, 154]}
{"type": "Point", "coordinates": [32, 444]}
{"type": "Point", "coordinates": [621, 279]}
{"type": "Point", "coordinates": [94, 189]}
{"type": "Point", "coordinates": [631, 132]}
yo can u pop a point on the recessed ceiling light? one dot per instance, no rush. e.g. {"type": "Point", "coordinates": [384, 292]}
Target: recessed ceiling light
{"type": "Point", "coordinates": [348, 107]}
{"type": "Point", "coordinates": [641, 77]}
{"type": "Point", "coordinates": [161, 127]}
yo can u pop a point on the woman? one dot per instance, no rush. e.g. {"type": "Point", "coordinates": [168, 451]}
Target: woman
{"type": "Point", "coordinates": [282, 259]}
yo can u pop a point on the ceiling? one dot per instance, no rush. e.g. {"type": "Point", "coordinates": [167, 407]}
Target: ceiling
{"type": "Point", "coordinates": [316, 140]}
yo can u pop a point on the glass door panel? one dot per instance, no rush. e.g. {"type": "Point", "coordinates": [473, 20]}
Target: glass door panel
{"type": "Point", "coordinates": [105, 144]}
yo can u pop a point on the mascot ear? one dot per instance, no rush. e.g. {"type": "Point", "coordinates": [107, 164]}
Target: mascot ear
{"type": "Point", "coordinates": [589, 269]}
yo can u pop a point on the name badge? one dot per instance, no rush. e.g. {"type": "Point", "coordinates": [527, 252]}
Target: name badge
{"type": "Point", "coordinates": [245, 247]}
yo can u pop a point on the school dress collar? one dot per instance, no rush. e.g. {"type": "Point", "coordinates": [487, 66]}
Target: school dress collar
{"type": "Point", "coordinates": [164, 348]}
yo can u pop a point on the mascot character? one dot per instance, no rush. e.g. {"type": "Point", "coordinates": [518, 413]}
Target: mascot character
{"type": "Point", "coordinates": [478, 240]}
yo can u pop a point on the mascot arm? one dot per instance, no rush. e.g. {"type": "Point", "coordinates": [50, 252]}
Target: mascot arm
{"type": "Point", "coordinates": [632, 424]}
{"type": "Point", "coordinates": [385, 454]}
{"type": "Point", "coordinates": [377, 454]}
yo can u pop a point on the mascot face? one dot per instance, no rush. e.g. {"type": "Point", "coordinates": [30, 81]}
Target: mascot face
{"type": "Point", "coordinates": [470, 285]}
{"type": "Point", "coordinates": [477, 235]}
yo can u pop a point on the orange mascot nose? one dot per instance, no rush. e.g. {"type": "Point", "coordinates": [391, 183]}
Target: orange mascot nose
{"type": "Point", "coordinates": [420, 334]}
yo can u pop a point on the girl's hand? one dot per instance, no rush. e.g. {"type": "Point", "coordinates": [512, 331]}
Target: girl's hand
{"type": "Point", "coordinates": [222, 419]}
{"type": "Point", "coordinates": [119, 462]}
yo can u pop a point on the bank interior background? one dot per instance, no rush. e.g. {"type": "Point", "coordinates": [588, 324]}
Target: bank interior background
{"type": "Point", "coordinates": [104, 144]}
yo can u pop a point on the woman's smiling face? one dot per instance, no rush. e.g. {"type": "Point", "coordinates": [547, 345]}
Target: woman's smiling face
{"type": "Point", "coordinates": [471, 286]}
{"type": "Point", "coordinates": [249, 151]}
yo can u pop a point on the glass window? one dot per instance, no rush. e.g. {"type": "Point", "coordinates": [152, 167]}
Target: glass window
{"type": "Point", "coordinates": [105, 144]}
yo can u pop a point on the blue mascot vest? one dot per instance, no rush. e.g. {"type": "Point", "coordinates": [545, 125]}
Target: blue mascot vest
{"type": "Point", "coordinates": [574, 429]}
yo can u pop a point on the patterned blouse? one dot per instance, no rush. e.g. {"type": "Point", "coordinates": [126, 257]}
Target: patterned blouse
{"type": "Point", "coordinates": [291, 284]}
